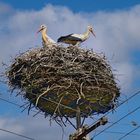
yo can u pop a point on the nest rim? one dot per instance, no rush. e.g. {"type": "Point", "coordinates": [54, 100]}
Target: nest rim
{"type": "Point", "coordinates": [82, 100]}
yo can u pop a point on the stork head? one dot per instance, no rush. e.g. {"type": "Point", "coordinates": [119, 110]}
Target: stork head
{"type": "Point", "coordinates": [42, 27]}
{"type": "Point", "coordinates": [90, 28]}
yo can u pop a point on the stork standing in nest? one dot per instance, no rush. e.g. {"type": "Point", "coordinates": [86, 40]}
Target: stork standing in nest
{"type": "Point", "coordinates": [76, 39]}
{"type": "Point", "coordinates": [46, 40]}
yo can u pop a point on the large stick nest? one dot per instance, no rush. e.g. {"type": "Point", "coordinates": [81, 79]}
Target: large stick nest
{"type": "Point", "coordinates": [57, 80]}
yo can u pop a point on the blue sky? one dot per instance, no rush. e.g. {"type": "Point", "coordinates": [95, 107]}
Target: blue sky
{"type": "Point", "coordinates": [116, 23]}
{"type": "Point", "coordinates": [88, 5]}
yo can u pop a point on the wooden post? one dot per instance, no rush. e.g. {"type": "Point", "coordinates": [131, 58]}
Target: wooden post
{"type": "Point", "coordinates": [78, 118]}
{"type": "Point", "coordinates": [102, 121]}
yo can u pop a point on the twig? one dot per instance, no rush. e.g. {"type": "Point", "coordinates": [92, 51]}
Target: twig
{"type": "Point", "coordinates": [41, 96]}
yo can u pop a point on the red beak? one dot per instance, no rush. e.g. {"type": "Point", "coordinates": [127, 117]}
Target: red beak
{"type": "Point", "coordinates": [93, 33]}
{"type": "Point", "coordinates": [39, 30]}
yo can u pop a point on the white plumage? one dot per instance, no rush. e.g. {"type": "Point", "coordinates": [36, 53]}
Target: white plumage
{"type": "Point", "coordinates": [76, 39]}
{"type": "Point", "coordinates": [46, 40]}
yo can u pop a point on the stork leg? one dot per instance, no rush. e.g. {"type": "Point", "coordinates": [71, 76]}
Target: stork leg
{"type": "Point", "coordinates": [77, 44]}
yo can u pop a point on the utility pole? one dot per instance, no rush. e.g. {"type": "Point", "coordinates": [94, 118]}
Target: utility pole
{"type": "Point", "coordinates": [81, 133]}
{"type": "Point", "coordinates": [78, 118]}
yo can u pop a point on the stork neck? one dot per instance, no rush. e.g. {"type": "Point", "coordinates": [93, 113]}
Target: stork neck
{"type": "Point", "coordinates": [86, 34]}
{"type": "Point", "coordinates": [44, 36]}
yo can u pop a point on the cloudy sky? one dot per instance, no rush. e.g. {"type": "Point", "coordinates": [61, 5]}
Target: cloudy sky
{"type": "Point", "coordinates": [117, 27]}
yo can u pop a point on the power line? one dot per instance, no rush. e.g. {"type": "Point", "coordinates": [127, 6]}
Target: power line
{"type": "Point", "coordinates": [9, 102]}
{"type": "Point", "coordinates": [123, 124]}
{"type": "Point", "coordinates": [117, 132]}
{"type": "Point", "coordinates": [132, 96]}
{"type": "Point", "coordinates": [136, 93]}
{"type": "Point", "coordinates": [11, 131]}
{"type": "Point", "coordinates": [129, 133]}
{"type": "Point", "coordinates": [118, 120]}
{"type": "Point", "coordinates": [69, 121]}
{"type": "Point", "coordinates": [17, 105]}
{"type": "Point", "coordinates": [83, 112]}
{"type": "Point", "coordinates": [47, 100]}
{"type": "Point", "coordinates": [75, 109]}
{"type": "Point", "coordinates": [23, 136]}
{"type": "Point", "coordinates": [95, 135]}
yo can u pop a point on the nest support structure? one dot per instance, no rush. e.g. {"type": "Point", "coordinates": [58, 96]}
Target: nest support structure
{"type": "Point", "coordinates": [57, 80]}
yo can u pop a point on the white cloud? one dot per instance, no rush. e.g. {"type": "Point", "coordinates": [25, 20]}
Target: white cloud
{"type": "Point", "coordinates": [37, 128]}
{"type": "Point", "coordinates": [125, 80]}
{"type": "Point", "coordinates": [9, 124]}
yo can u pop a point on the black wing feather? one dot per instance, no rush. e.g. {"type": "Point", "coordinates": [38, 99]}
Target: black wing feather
{"type": "Point", "coordinates": [69, 37]}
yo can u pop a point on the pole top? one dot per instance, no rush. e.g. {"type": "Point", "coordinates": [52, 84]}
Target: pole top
{"type": "Point", "coordinates": [103, 120]}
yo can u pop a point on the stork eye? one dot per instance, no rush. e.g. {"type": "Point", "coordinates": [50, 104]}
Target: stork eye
{"type": "Point", "coordinates": [42, 26]}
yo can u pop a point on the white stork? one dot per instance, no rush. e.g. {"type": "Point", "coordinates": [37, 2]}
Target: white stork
{"type": "Point", "coordinates": [76, 39]}
{"type": "Point", "coordinates": [46, 40]}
